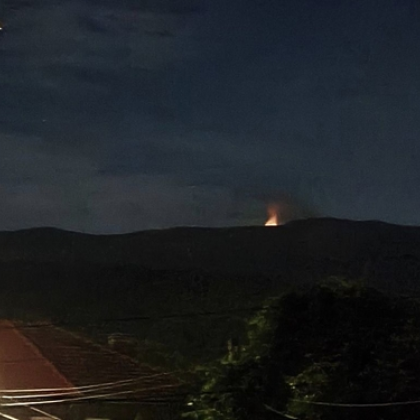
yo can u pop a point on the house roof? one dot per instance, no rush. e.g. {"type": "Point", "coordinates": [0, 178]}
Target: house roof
{"type": "Point", "coordinates": [48, 357]}
{"type": "Point", "coordinates": [22, 366]}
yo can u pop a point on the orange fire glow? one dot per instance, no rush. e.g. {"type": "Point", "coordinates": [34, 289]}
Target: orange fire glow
{"type": "Point", "coordinates": [272, 217]}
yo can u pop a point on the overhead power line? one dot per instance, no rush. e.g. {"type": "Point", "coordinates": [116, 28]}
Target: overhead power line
{"type": "Point", "coordinates": [113, 397]}
{"type": "Point", "coordinates": [96, 397]}
{"type": "Point", "coordinates": [43, 413]}
{"type": "Point", "coordinates": [285, 415]}
{"type": "Point", "coordinates": [46, 392]}
{"type": "Point", "coordinates": [8, 417]}
{"type": "Point", "coordinates": [361, 405]}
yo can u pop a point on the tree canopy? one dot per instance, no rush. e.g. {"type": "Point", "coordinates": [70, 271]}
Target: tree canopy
{"type": "Point", "coordinates": [337, 343]}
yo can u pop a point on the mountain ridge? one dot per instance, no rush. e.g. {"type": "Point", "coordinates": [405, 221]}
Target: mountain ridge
{"type": "Point", "coordinates": [239, 249]}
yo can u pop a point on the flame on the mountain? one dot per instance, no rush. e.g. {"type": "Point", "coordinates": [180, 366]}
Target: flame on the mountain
{"type": "Point", "coordinates": [272, 216]}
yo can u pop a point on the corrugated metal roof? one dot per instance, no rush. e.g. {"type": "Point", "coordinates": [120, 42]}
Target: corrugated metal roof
{"type": "Point", "coordinates": [22, 365]}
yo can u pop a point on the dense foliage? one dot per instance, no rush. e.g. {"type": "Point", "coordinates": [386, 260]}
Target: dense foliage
{"type": "Point", "coordinates": [339, 342]}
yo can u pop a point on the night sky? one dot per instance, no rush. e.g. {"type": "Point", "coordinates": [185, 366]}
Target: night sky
{"type": "Point", "coordinates": [125, 115]}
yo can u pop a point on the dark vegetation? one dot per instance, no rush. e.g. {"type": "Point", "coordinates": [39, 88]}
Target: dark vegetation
{"type": "Point", "coordinates": [337, 343]}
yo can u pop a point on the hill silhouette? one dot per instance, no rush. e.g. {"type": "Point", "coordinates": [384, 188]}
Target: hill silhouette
{"type": "Point", "coordinates": [238, 249]}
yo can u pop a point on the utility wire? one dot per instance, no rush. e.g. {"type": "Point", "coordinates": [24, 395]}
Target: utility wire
{"type": "Point", "coordinates": [75, 390]}
{"type": "Point", "coordinates": [88, 398]}
{"type": "Point", "coordinates": [112, 397]}
{"type": "Point", "coordinates": [7, 416]}
{"type": "Point", "coordinates": [285, 415]}
{"type": "Point", "coordinates": [108, 397]}
{"type": "Point", "coordinates": [218, 393]}
{"type": "Point", "coordinates": [44, 413]}
{"type": "Point", "coordinates": [355, 405]}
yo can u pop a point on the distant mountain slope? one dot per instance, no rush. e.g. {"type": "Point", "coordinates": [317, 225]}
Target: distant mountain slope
{"type": "Point", "coordinates": [240, 249]}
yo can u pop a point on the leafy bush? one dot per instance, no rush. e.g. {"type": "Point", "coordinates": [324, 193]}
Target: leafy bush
{"type": "Point", "coordinates": [340, 342]}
